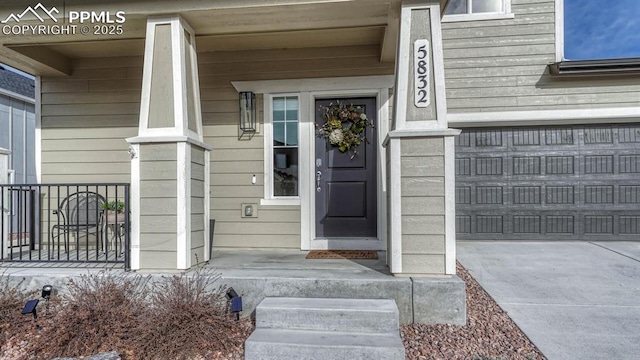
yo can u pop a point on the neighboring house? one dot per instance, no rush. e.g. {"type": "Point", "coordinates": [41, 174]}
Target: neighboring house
{"type": "Point", "coordinates": [154, 101]}
{"type": "Point", "coordinates": [18, 125]}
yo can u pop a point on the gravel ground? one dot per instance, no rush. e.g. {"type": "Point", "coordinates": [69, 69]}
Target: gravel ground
{"type": "Point", "coordinates": [489, 334]}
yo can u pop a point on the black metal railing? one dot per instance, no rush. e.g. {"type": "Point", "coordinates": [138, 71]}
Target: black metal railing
{"type": "Point", "coordinates": [76, 223]}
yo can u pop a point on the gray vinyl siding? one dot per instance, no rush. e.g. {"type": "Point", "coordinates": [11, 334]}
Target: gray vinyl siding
{"type": "Point", "coordinates": [423, 205]}
{"type": "Point", "coordinates": [197, 205]}
{"type": "Point", "coordinates": [87, 116]}
{"type": "Point", "coordinates": [500, 65]}
{"type": "Point", "coordinates": [158, 186]}
{"type": "Point", "coordinates": [233, 161]}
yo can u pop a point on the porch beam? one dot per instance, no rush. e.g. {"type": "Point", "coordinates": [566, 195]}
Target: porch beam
{"type": "Point", "coordinates": [37, 60]}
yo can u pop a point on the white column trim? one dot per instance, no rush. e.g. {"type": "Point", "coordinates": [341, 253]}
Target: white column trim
{"type": "Point", "coordinates": [179, 69]}
{"type": "Point", "coordinates": [168, 139]}
{"type": "Point", "coordinates": [307, 167]}
{"type": "Point", "coordinates": [559, 10]}
{"type": "Point", "coordinates": [207, 204]}
{"type": "Point", "coordinates": [395, 207]}
{"type": "Point", "coordinates": [147, 74]}
{"type": "Point", "coordinates": [382, 130]}
{"type": "Point", "coordinates": [38, 137]}
{"type": "Point", "coordinates": [183, 221]}
{"type": "Point", "coordinates": [135, 208]}
{"type": "Point", "coordinates": [438, 63]}
{"type": "Point", "coordinates": [402, 61]}
{"type": "Point", "coordinates": [450, 205]}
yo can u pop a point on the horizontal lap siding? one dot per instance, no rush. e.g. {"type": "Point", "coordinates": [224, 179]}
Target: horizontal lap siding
{"type": "Point", "coordinates": [85, 121]}
{"type": "Point", "coordinates": [501, 65]}
{"type": "Point", "coordinates": [233, 161]}
{"type": "Point", "coordinates": [423, 205]}
{"type": "Point", "coordinates": [87, 117]}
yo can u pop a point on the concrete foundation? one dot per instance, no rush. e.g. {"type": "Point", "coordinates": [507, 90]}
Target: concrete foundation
{"type": "Point", "coordinates": [257, 274]}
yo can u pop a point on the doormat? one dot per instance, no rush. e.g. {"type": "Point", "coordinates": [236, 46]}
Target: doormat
{"type": "Point", "coordinates": [342, 254]}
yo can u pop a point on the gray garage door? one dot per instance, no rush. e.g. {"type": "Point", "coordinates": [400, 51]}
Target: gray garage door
{"type": "Point", "coordinates": [548, 183]}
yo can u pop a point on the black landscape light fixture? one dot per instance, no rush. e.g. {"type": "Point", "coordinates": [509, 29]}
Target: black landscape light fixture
{"type": "Point", "coordinates": [248, 112]}
{"type": "Point", "coordinates": [236, 302]}
{"type": "Point", "coordinates": [46, 292]}
{"type": "Point", "coordinates": [30, 308]}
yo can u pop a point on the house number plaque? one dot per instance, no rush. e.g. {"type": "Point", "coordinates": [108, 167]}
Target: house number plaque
{"type": "Point", "coordinates": [421, 73]}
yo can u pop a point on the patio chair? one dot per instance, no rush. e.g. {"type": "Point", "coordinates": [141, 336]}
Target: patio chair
{"type": "Point", "coordinates": [78, 215]}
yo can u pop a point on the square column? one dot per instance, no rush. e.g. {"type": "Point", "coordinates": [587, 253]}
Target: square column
{"type": "Point", "coordinates": [170, 162]}
{"type": "Point", "coordinates": [421, 151]}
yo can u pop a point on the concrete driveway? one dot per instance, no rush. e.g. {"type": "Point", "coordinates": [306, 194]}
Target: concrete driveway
{"type": "Point", "coordinates": [575, 300]}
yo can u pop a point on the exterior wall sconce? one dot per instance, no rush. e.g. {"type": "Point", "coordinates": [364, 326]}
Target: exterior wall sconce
{"type": "Point", "coordinates": [248, 112]}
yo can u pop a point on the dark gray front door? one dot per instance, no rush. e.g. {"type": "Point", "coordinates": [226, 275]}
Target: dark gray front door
{"type": "Point", "coordinates": [346, 192]}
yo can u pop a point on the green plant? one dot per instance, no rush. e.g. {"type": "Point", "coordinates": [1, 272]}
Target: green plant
{"type": "Point", "coordinates": [344, 126]}
{"type": "Point", "coordinates": [115, 205]}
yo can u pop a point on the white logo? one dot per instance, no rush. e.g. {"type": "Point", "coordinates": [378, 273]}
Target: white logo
{"type": "Point", "coordinates": [34, 11]}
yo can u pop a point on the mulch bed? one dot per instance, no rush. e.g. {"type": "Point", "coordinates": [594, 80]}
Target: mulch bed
{"type": "Point", "coordinates": [489, 334]}
{"type": "Point", "coordinates": [342, 254]}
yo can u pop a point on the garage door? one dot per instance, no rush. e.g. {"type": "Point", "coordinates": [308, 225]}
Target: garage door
{"type": "Point", "coordinates": [548, 183]}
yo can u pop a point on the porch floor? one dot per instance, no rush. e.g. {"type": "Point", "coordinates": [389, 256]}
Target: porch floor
{"type": "Point", "coordinates": [292, 264]}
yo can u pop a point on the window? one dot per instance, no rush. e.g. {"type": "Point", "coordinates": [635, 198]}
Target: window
{"type": "Point", "coordinates": [285, 117]}
{"type": "Point", "coordinates": [460, 10]}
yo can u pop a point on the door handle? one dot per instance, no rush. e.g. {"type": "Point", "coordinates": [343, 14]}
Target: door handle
{"type": "Point", "coordinates": [318, 178]}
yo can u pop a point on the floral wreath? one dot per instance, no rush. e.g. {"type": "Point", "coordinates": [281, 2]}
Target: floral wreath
{"type": "Point", "coordinates": [344, 126]}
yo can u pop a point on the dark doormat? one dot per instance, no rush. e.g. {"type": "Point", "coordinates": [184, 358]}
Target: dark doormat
{"type": "Point", "coordinates": [342, 254]}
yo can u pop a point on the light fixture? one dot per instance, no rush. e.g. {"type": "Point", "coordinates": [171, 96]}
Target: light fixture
{"type": "Point", "coordinates": [46, 291]}
{"type": "Point", "coordinates": [236, 302]}
{"type": "Point", "coordinates": [247, 111]}
{"type": "Point", "coordinates": [231, 293]}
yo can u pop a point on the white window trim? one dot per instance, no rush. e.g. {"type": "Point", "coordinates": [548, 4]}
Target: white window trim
{"type": "Point", "coordinates": [309, 90]}
{"type": "Point", "coordinates": [559, 30]}
{"type": "Point", "coordinates": [506, 14]}
{"type": "Point", "coordinates": [269, 198]}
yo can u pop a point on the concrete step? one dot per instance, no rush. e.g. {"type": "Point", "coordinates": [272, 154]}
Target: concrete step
{"type": "Point", "coordinates": [266, 344]}
{"type": "Point", "coordinates": [323, 314]}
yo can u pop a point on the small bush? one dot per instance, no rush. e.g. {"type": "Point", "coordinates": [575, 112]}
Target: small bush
{"type": "Point", "coordinates": [188, 318]}
{"type": "Point", "coordinates": [12, 322]}
{"type": "Point", "coordinates": [175, 317]}
{"type": "Point", "coordinates": [100, 313]}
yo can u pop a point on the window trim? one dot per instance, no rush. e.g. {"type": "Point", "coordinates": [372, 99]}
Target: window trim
{"type": "Point", "coordinates": [505, 14]}
{"type": "Point", "coordinates": [269, 198]}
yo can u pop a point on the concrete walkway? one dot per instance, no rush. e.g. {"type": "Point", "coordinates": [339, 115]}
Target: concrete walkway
{"type": "Point", "coordinates": [575, 300]}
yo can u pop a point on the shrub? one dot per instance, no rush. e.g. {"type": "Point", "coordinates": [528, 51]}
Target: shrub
{"type": "Point", "coordinates": [98, 314]}
{"type": "Point", "coordinates": [189, 318]}
{"type": "Point", "coordinates": [12, 322]}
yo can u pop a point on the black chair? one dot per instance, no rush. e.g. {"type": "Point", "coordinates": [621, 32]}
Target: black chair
{"type": "Point", "coordinates": [78, 215]}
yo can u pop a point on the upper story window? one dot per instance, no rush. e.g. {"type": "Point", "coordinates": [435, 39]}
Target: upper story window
{"type": "Point", "coordinates": [467, 10]}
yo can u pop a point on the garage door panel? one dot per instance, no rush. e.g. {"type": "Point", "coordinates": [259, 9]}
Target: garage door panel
{"type": "Point", "coordinates": [546, 183]}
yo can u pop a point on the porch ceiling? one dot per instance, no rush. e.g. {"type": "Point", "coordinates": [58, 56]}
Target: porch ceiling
{"type": "Point", "coordinates": [219, 25]}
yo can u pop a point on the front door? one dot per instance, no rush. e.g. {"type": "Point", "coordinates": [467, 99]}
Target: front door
{"type": "Point", "coordinates": [346, 190]}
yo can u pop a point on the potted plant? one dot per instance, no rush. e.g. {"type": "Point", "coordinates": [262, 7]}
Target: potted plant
{"type": "Point", "coordinates": [114, 211]}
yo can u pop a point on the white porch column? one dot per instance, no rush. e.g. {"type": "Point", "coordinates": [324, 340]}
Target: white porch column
{"type": "Point", "coordinates": [169, 190]}
{"type": "Point", "coordinates": [4, 206]}
{"type": "Point", "coordinates": [421, 150]}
